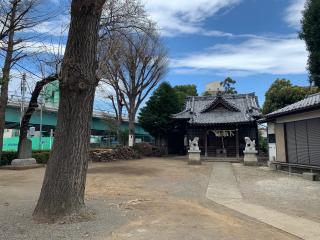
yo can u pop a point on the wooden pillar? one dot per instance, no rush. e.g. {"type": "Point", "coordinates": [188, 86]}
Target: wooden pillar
{"type": "Point", "coordinates": [187, 133]}
{"type": "Point", "coordinates": [257, 138]}
{"type": "Point", "coordinates": [206, 143]}
{"type": "Point", "coordinates": [237, 144]}
{"type": "Point", "coordinates": [188, 137]}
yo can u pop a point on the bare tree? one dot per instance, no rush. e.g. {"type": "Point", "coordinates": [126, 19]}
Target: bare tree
{"type": "Point", "coordinates": [5, 27]}
{"type": "Point", "coordinates": [48, 63]}
{"type": "Point", "coordinates": [62, 193]}
{"type": "Point", "coordinates": [33, 105]}
{"type": "Point", "coordinates": [119, 19]}
{"type": "Point", "coordinates": [119, 16]}
{"type": "Point", "coordinates": [16, 16]}
{"type": "Point", "coordinates": [135, 68]}
{"type": "Point", "coordinates": [17, 8]}
{"type": "Point", "coordinates": [108, 47]}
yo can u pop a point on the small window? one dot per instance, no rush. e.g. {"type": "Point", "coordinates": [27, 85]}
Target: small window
{"type": "Point", "coordinates": [272, 138]}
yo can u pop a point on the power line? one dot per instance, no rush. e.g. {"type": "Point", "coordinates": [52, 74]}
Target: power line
{"type": "Point", "coordinates": [27, 70]}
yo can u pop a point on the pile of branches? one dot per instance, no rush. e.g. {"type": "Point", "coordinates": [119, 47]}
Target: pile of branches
{"type": "Point", "coordinates": [108, 155]}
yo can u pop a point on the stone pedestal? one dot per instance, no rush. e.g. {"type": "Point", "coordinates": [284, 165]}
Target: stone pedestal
{"type": "Point", "coordinates": [25, 155]}
{"type": "Point", "coordinates": [194, 157]}
{"type": "Point", "coordinates": [250, 158]}
{"type": "Point", "coordinates": [24, 162]}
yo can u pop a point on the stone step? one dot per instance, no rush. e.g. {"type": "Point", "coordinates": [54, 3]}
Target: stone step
{"type": "Point", "coordinates": [233, 160]}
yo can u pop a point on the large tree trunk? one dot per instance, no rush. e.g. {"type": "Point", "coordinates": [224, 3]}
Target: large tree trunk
{"type": "Point", "coordinates": [4, 82]}
{"type": "Point", "coordinates": [33, 104]}
{"type": "Point", "coordinates": [63, 189]}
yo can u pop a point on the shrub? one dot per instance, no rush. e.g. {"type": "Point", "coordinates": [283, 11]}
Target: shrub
{"type": "Point", "coordinates": [41, 157]}
{"type": "Point", "coordinates": [148, 150]}
{"type": "Point", "coordinates": [144, 149]}
{"type": "Point", "coordinates": [7, 158]}
{"type": "Point", "coordinates": [108, 155]}
{"type": "Point", "coordinates": [158, 151]}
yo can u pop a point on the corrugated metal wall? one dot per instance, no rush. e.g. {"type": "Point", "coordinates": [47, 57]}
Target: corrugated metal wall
{"type": "Point", "coordinates": [303, 142]}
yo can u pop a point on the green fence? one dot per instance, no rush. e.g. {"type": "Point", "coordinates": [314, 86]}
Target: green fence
{"type": "Point", "coordinates": [11, 144]}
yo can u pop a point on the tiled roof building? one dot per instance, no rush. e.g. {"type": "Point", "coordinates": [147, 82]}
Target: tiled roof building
{"type": "Point", "coordinates": [220, 109]}
{"type": "Point", "coordinates": [294, 134]}
{"type": "Point", "coordinates": [310, 102]}
{"type": "Point", "coordinates": [221, 122]}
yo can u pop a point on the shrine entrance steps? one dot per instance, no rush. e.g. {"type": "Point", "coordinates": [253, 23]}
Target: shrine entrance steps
{"type": "Point", "coordinates": [220, 159]}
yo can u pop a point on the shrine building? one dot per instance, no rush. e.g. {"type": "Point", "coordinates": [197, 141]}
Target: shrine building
{"type": "Point", "coordinates": [220, 121]}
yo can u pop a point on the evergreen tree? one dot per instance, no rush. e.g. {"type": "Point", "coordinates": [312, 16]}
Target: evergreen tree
{"type": "Point", "coordinates": [228, 86]}
{"type": "Point", "coordinates": [155, 117]}
{"type": "Point", "coordinates": [184, 91]}
{"type": "Point", "coordinates": [311, 34]}
{"type": "Point", "coordinates": [282, 93]}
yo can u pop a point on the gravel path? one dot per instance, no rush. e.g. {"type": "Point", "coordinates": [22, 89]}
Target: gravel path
{"type": "Point", "coordinates": [224, 188]}
{"type": "Point", "coordinates": [291, 195]}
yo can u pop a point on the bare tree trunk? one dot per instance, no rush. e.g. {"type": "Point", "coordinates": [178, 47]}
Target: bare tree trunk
{"type": "Point", "coordinates": [131, 133]}
{"type": "Point", "coordinates": [63, 189]}
{"type": "Point", "coordinates": [118, 107]}
{"type": "Point", "coordinates": [33, 104]}
{"type": "Point", "coordinates": [119, 122]}
{"type": "Point", "coordinates": [6, 75]}
{"type": "Point", "coordinates": [132, 117]}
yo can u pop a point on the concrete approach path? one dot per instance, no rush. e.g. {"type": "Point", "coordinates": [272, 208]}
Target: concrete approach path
{"type": "Point", "coordinates": [223, 189]}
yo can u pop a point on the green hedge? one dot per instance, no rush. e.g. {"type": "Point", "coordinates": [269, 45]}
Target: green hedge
{"type": "Point", "coordinates": [41, 156]}
{"type": "Point", "coordinates": [7, 158]}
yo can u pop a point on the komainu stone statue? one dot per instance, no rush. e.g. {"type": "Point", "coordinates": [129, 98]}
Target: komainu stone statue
{"type": "Point", "coordinates": [250, 145]}
{"type": "Point", "coordinates": [194, 144]}
{"type": "Point", "coordinates": [250, 153]}
{"type": "Point", "coordinates": [194, 152]}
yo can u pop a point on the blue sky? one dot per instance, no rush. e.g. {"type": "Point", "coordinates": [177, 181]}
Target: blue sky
{"type": "Point", "coordinates": [252, 41]}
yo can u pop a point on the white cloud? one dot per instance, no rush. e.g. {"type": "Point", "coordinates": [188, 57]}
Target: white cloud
{"type": "Point", "coordinates": [254, 56]}
{"type": "Point", "coordinates": [293, 13]}
{"type": "Point", "coordinates": [55, 27]}
{"type": "Point", "coordinates": [43, 47]}
{"type": "Point", "coordinates": [172, 16]}
{"type": "Point", "coordinates": [267, 36]}
{"type": "Point", "coordinates": [184, 16]}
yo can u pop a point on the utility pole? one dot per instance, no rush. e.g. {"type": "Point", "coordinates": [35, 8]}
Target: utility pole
{"type": "Point", "coordinates": [23, 95]}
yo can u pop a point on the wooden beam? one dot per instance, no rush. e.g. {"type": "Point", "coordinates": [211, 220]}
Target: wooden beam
{"type": "Point", "coordinates": [206, 142]}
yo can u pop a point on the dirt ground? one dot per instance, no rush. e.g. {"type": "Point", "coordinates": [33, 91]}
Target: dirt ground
{"type": "Point", "coordinates": [144, 199]}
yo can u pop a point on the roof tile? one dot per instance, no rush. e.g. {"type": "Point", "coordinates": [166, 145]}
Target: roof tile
{"type": "Point", "coordinates": [247, 105]}
{"type": "Point", "coordinates": [309, 102]}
